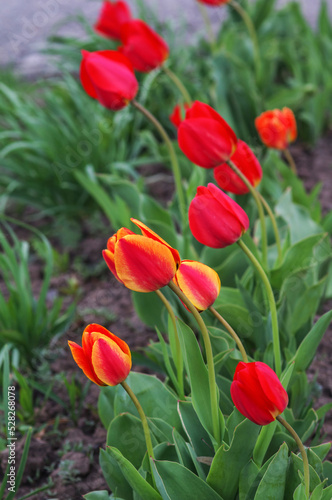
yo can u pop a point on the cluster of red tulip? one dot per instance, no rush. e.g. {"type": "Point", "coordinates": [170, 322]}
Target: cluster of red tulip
{"type": "Point", "coordinates": [146, 262]}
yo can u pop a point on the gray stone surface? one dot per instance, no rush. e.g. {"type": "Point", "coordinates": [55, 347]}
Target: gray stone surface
{"type": "Point", "coordinates": [26, 24]}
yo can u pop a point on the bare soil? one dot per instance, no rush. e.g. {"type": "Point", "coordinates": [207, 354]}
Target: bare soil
{"type": "Point", "coordinates": [66, 452]}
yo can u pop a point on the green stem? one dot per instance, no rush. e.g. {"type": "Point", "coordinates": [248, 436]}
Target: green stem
{"type": "Point", "coordinates": [179, 358]}
{"type": "Point", "coordinates": [178, 83]}
{"type": "Point", "coordinates": [209, 359]}
{"type": "Point", "coordinates": [208, 25]}
{"type": "Point", "coordinates": [256, 197]}
{"type": "Point", "coordinates": [231, 332]}
{"type": "Point", "coordinates": [272, 303]}
{"type": "Point", "coordinates": [274, 225]}
{"type": "Point", "coordinates": [252, 33]}
{"type": "Point", "coordinates": [173, 157]}
{"type": "Point", "coordinates": [144, 421]}
{"type": "Point", "coordinates": [303, 453]}
{"type": "Point", "coordinates": [290, 160]}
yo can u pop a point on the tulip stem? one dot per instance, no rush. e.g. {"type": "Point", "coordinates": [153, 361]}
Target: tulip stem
{"type": "Point", "coordinates": [252, 33]}
{"type": "Point", "coordinates": [256, 197]}
{"type": "Point", "coordinates": [272, 303]}
{"type": "Point", "coordinates": [178, 83]}
{"type": "Point", "coordinates": [274, 225]}
{"type": "Point", "coordinates": [144, 421]}
{"type": "Point", "coordinates": [209, 359]}
{"type": "Point", "coordinates": [208, 25]}
{"type": "Point", "coordinates": [173, 157]}
{"type": "Point", "coordinates": [231, 332]}
{"type": "Point", "coordinates": [290, 160]}
{"type": "Point", "coordinates": [179, 358]}
{"type": "Point", "coordinates": [303, 453]}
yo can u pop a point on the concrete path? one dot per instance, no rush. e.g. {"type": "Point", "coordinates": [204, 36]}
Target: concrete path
{"type": "Point", "coordinates": [25, 25]}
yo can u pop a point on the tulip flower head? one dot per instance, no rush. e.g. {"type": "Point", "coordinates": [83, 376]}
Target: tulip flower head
{"type": "Point", "coordinates": [215, 219]}
{"type": "Point", "coordinates": [111, 18]}
{"type": "Point", "coordinates": [143, 46]}
{"type": "Point", "coordinates": [177, 115]}
{"type": "Point", "coordinates": [246, 161]}
{"type": "Point", "coordinates": [108, 76]}
{"type": "Point", "coordinates": [205, 137]}
{"type": "Point", "coordinates": [257, 392]}
{"type": "Point", "coordinates": [104, 358]}
{"type": "Point", "coordinates": [277, 128]}
{"type": "Point", "coordinates": [213, 3]}
{"type": "Point", "coordinates": [143, 263]}
{"type": "Point", "coordinates": [198, 282]}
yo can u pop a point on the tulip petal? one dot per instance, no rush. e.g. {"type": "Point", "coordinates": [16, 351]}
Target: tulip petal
{"type": "Point", "coordinates": [109, 259]}
{"type": "Point", "coordinates": [110, 363]}
{"type": "Point", "coordinates": [99, 330]}
{"type": "Point", "coordinates": [112, 17]}
{"type": "Point", "coordinates": [84, 362]}
{"type": "Point", "coordinates": [146, 231]}
{"type": "Point", "coordinates": [206, 142]}
{"type": "Point", "coordinates": [199, 283]}
{"type": "Point", "coordinates": [143, 264]}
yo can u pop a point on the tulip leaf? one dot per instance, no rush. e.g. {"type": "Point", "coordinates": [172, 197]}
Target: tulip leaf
{"type": "Point", "coordinates": [263, 442]}
{"type": "Point", "coordinates": [175, 482]}
{"type": "Point", "coordinates": [273, 483]}
{"type": "Point", "coordinates": [125, 433]}
{"type": "Point", "coordinates": [247, 478]}
{"type": "Point", "coordinates": [100, 495]}
{"type": "Point", "coordinates": [294, 478]}
{"type": "Point", "coordinates": [198, 436]}
{"type": "Point", "coordinates": [198, 376]}
{"type": "Point", "coordinates": [149, 309]}
{"type": "Point", "coordinates": [308, 347]}
{"type": "Point", "coordinates": [136, 481]}
{"type": "Point", "coordinates": [228, 462]}
{"type": "Point", "coordinates": [182, 451]}
{"type": "Point", "coordinates": [327, 493]}
{"type": "Point", "coordinates": [114, 476]}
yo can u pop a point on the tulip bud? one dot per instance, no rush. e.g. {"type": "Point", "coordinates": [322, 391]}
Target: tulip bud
{"type": "Point", "coordinates": [104, 358]}
{"type": "Point", "coordinates": [108, 76]}
{"type": "Point", "coordinates": [143, 46]}
{"type": "Point", "coordinates": [205, 137]}
{"type": "Point", "coordinates": [198, 282]}
{"type": "Point", "coordinates": [143, 263]}
{"type": "Point", "coordinates": [111, 18]}
{"type": "Point", "coordinates": [277, 128]}
{"type": "Point", "coordinates": [257, 392]}
{"type": "Point", "coordinates": [215, 219]}
{"type": "Point", "coordinates": [246, 161]}
{"type": "Point", "coordinates": [177, 115]}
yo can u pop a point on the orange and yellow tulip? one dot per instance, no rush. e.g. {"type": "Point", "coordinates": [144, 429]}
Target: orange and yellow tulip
{"type": "Point", "coordinates": [277, 128]}
{"type": "Point", "coordinates": [143, 263]}
{"type": "Point", "coordinates": [104, 358]}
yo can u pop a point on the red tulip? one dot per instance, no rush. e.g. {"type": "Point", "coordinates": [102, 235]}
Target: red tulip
{"type": "Point", "coordinates": [247, 162]}
{"type": "Point", "coordinates": [213, 3]}
{"type": "Point", "coordinates": [111, 18]}
{"type": "Point", "coordinates": [104, 358]}
{"type": "Point", "coordinates": [204, 136]}
{"type": "Point", "coordinates": [277, 128]}
{"type": "Point", "coordinates": [215, 219]}
{"type": "Point", "coordinates": [257, 392]}
{"type": "Point", "coordinates": [198, 282]}
{"type": "Point", "coordinates": [143, 263]}
{"type": "Point", "coordinates": [177, 115]}
{"type": "Point", "coordinates": [108, 76]}
{"type": "Point", "coordinates": [143, 46]}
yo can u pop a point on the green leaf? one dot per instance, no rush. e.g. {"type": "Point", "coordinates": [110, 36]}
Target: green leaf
{"type": "Point", "coordinates": [99, 495]}
{"type": "Point", "coordinates": [228, 462]}
{"type": "Point", "coordinates": [182, 451]}
{"type": "Point", "coordinates": [178, 483]}
{"type": "Point", "coordinates": [114, 476]}
{"type": "Point", "coordinates": [263, 442]}
{"type": "Point", "coordinates": [198, 437]}
{"type": "Point", "coordinates": [149, 309]}
{"type": "Point", "coordinates": [308, 347]}
{"type": "Point", "coordinates": [136, 481]}
{"type": "Point", "coordinates": [273, 483]}
{"type": "Point", "coordinates": [198, 375]}
{"type": "Point", "coordinates": [247, 477]}
{"type": "Point", "coordinates": [125, 433]}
